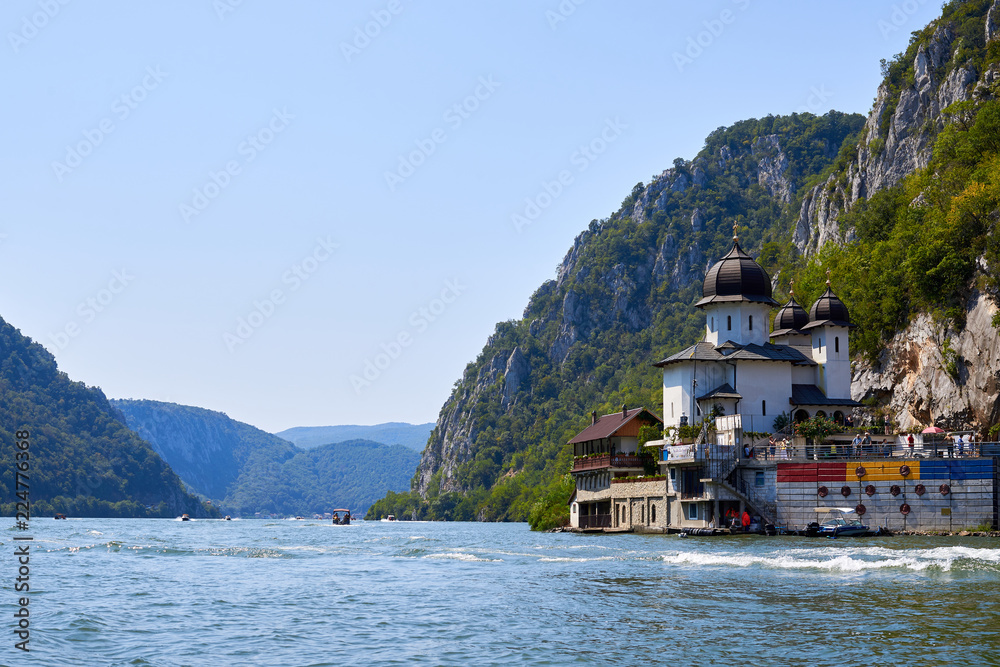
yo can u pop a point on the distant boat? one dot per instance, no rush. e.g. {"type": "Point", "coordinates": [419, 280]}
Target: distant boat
{"type": "Point", "coordinates": [342, 520]}
{"type": "Point", "coordinates": [228, 518]}
{"type": "Point", "coordinates": [185, 517]}
{"type": "Point", "coordinates": [59, 516]}
{"type": "Point", "coordinates": [391, 517]}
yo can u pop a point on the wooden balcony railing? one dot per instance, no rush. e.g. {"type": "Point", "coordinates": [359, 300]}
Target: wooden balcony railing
{"type": "Point", "coordinates": [610, 461]}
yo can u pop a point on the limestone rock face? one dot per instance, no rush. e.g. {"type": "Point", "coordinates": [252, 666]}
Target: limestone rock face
{"type": "Point", "coordinates": [772, 167]}
{"type": "Point", "coordinates": [923, 381]}
{"type": "Point", "coordinates": [993, 22]}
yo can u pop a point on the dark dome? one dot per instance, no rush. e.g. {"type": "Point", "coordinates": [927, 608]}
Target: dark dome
{"type": "Point", "coordinates": [828, 309]}
{"type": "Point", "coordinates": [791, 316]}
{"type": "Point", "coordinates": [736, 277]}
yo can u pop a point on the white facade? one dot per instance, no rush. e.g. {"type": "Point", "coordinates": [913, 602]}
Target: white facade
{"type": "Point", "coordinates": [741, 322]}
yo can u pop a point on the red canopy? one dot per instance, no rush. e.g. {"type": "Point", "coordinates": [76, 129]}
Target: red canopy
{"type": "Point", "coordinates": [933, 429]}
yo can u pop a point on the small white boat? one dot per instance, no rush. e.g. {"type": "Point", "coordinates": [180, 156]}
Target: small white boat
{"type": "Point", "coordinates": [391, 517]}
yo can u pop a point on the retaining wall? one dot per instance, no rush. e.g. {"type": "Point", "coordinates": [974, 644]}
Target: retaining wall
{"type": "Point", "coordinates": [970, 500]}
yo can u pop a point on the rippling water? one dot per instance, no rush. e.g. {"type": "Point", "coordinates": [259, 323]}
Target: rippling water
{"type": "Point", "coordinates": [159, 592]}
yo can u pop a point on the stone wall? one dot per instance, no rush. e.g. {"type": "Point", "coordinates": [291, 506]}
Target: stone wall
{"type": "Point", "coordinates": [639, 505]}
{"type": "Point", "coordinates": [969, 501]}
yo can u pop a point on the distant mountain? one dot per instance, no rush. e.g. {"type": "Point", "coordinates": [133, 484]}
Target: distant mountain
{"type": "Point", "coordinates": [246, 471]}
{"type": "Point", "coordinates": [413, 436]}
{"type": "Point", "coordinates": [83, 460]}
{"type": "Point", "coordinates": [206, 448]}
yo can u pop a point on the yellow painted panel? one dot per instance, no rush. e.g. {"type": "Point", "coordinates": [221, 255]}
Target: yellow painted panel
{"type": "Point", "coordinates": [882, 471]}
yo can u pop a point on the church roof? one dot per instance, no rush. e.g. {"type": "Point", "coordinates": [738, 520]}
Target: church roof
{"type": "Point", "coordinates": [729, 350]}
{"type": "Point", "coordinates": [790, 319]}
{"type": "Point", "coordinates": [828, 310]}
{"type": "Point", "coordinates": [608, 425]}
{"type": "Point", "coordinates": [810, 394]}
{"type": "Point", "coordinates": [736, 277]}
{"type": "Point", "coordinates": [722, 391]}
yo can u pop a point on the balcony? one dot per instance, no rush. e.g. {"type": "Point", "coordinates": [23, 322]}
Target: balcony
{"type": "Point", "coordinates": [624, 461]}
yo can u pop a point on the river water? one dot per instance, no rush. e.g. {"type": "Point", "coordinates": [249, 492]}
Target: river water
{"type": "Point", "coordinates": [162, 592]}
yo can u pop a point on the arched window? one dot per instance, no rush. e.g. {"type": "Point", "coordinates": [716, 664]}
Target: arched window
{"type": "Point", "coordinates": [729, 322]}
{"type": "Point", "coordinates": [836, 344]}
{"type": "Point", "coordinates": [652, 513]}
{"type": "Point", "coordinates": [763, 408]}
{"type": "Point", "coordinates": [751, 323]}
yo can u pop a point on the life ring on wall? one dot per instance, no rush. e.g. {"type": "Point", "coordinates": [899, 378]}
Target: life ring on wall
{"type": "Point", "coordinates": [870, 490]}
{"type": "Point", "coordinates": [822, 491]}
{"type": "Point", "coordinates": [860, 509]}
{"type": "Point", "coordinates": [904, 509]}
{"type": "Point", "coordinates": [845, 490]}
{"type": "Point", "coordinates": [904, 470]}
{"type": "Point", "coordinates": [920, 489]}
{"type": "Point", "coordinates": [894, 490]}
{"type": "Point", "coordinates": [860, 471]}
{"type": "Point", "coordinates": [944, 489]}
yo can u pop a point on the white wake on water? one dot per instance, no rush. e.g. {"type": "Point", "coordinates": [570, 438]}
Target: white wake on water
{"type": "Point", "coordinates": [850, 560]}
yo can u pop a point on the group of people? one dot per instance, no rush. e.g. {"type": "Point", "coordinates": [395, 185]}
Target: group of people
{"type": "Point", "coordinates": [777, 449]}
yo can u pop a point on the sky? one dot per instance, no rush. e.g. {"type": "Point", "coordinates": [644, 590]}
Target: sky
{"type": "Point", "coordinates": [309, 213]}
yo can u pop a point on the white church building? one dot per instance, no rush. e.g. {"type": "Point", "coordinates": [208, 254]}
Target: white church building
{"type": "Point", "coordinates": [802, 367]}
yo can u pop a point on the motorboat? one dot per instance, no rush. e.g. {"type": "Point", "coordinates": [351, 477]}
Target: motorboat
{"type": "Point", "coordinates": [839, 524]}
{"type": "Point", "coordinates": [57, 517]}
{"type": "Point", "coordinates": [344, 520]}
{"type": "Point", "coordinates": [391, 517]}
{"type": "Point", "coordinates": [185, 517]}
{"type": "Point", "coordinates": [228, 518]}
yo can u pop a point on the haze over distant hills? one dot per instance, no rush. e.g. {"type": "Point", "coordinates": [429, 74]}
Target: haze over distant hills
{"type": "Point", "coordinates": [413, 436]}
{"type": "Point", "coordinates": [244, 470]}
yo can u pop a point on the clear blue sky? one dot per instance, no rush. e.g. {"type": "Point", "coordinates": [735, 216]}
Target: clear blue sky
{"type": "Point", "coordinates": [169, 168]}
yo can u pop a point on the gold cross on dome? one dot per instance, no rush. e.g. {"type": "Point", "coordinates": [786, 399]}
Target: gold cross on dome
{"type": "Point", "coordinates": [828, 277]}
{"type": "Point", "coordinates": [736, 227]}
{"type": "Point", "coordinates": [791, 288]}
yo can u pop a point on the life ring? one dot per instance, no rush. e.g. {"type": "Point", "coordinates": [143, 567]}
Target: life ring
{"type": "Point", "coordinates": [860, 471]}
{"type": "Point", "coordinates": [944, 489]}
{"type": "Point", "coordinates": [845, 490]}
{"type": "Point", "coordinates": [894, 490]}
{"type": "Point", "coordinates": [822, 491]}
{"type": "Point", "coordinates": [860, 509]}
{"type": "Point", "coordinates": [870, 490]}
{"type": "Point", "coordinates": [920, 489]}
{"type": "Point", "coordinates": [904, 509]}
{"type": "Point", "coordinates": [904, 470]}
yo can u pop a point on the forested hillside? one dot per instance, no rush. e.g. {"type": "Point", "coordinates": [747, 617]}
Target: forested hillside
{"type": "Point", "coordinates": [901, 208]}
{"type": "Point", "coordinates": [83, 460]}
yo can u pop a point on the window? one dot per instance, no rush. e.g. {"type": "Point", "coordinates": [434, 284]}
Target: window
{"type": "Point", "coordinates": [751, 323]}
{"type": "Point", "coordinates": [652, 513]}
{"type": "Point", "coordinates": [642, 514]}
{"type": "Point", "coordinates": [758, 478]}
{"type": "Point", "coordinates": [729, 322]}
{"type": "Point", "coordinates": [836, 344]}
{"type": "Point", "coordinates": [763, 408]}
{"type": "Point", "coordinates": [673, 474]}
{"type": "Point", "coordinates": [671, 409]}
{"type": "Point", "coordinates": [712, 326]}
{"type": "Point", "coordinates": [693, 511]}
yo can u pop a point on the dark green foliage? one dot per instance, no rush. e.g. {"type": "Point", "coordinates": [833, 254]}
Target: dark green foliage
{"type": "Point", "coordinates": [84, 460]}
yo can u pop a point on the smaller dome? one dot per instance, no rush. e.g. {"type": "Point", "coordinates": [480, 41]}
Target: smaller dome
{"type": "Point", "coordinates": [828, 309]}
{"type": "Point", "coordinates": [791, 318]}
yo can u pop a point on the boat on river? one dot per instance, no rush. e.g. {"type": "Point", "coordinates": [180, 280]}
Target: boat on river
{"type": "Point", "coordinates": [344, 520]}
{"type": "Point", "coordinates": [391, 517]}
{"type": "Point", "coordinates": [840, 525]}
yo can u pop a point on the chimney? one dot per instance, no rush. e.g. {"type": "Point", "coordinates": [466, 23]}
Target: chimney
{"type": "Point", "coordinates": [624, 411]}
{"type": "Point", "coordinates": [593, 417]}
